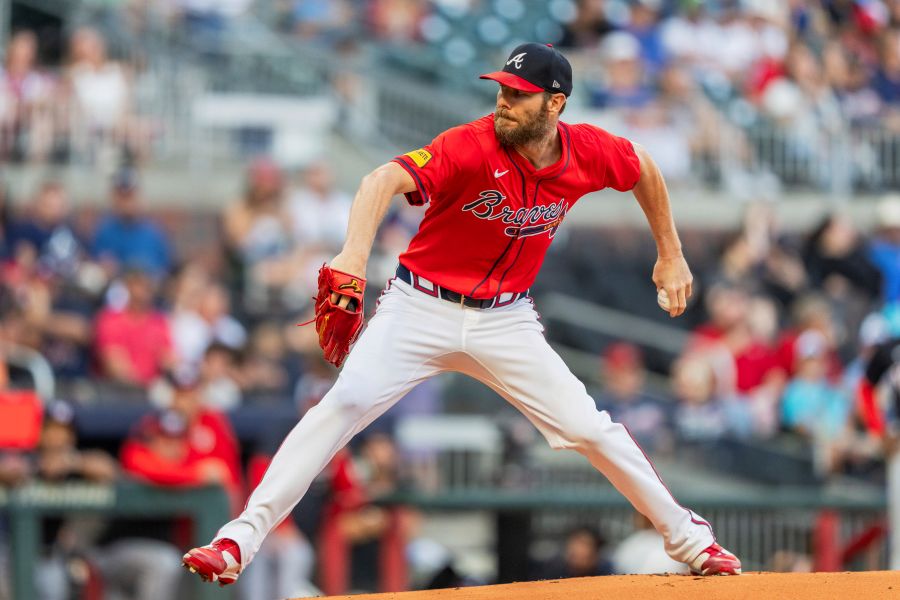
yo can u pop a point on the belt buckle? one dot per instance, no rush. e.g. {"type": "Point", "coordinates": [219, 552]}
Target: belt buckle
{"type": "Point", "coordinates": [462, 301]}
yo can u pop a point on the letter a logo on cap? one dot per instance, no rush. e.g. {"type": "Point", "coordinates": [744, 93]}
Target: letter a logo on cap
{"type": "Point", "coordinates": [517, 60]}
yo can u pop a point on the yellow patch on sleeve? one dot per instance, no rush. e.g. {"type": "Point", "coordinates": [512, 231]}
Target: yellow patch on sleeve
{"type": "Point", "coordinates": [420, 156]}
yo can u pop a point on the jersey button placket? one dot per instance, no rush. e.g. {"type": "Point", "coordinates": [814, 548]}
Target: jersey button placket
{"type": "Point", "coordinates": [529, 200]}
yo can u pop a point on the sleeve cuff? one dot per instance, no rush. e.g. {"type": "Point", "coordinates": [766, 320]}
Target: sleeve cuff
{"type": "Point", "coordinates": [636, 161]}
{"type": "Point", "coordinates": [420, 196]}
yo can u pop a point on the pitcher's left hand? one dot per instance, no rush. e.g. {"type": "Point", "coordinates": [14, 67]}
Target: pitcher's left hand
{"type": "Point", "coordinates": [673, 275]}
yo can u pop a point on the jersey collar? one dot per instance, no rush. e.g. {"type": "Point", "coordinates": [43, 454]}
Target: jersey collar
{"type": "Point", "coordinates": [550, 171]}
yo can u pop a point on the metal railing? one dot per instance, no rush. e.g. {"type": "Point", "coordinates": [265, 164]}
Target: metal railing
{"type": "Point", "coordinates": [388, 108]}
{"type": "Point", "coordinates": [764, 158]}
{"type": "Point", "coordinates": [27, 507]}
{"type": "Point", "coordinates": [36, 365]}
{"type": "Point", "coordinates": [613, 323]}
{"type": "Point", "coordinates": [762, 526]}
{"type": "Point", "coordinates": [765, 537]}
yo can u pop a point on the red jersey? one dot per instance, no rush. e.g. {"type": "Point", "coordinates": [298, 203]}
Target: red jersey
{"type": "Point", "coordinates": [491, 215]}
{"type": "Point", "coordinates": [210, 436]}
{"type": "Point", "coordinates": [143, 337]}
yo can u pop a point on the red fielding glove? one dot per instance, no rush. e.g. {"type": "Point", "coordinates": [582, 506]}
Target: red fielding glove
{"type": "Point", "coordinates": [338, 327]}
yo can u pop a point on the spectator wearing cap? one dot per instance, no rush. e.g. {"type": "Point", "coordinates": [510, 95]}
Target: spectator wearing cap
{"type": "Point", "coordinates": [704, 413]}
{"type": "Point", "coordinates": [814, 407]}
{"type": "Point", "coordinates": [129, 567]}
{"type": "Point", "coordinates": [884, 248]}
{"type": "Point", "coordinates": [134, 344]}
{"type": "Point", "coordinates": [184, 444]}
{"type": "Point", "coordinates": [48, 230]}
{"type": "Point", "coordinates": [125, 237]}
{"type": "Point", "coordinates": [625, 86]}
{"type": "Point", "coordinates": [625, 398]}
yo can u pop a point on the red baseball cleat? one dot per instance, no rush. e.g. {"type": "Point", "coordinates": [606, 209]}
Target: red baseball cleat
{"type": "Point", "coordinates": [219, 562]}
{"type": "Point", "coordinates": [715, 560]}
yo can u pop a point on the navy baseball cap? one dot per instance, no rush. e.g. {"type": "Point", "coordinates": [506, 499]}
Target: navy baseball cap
{"type": "Point", "coordinates": [535, 68]}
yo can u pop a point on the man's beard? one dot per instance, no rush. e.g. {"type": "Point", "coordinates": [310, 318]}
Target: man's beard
{"type": "Point", "coordinates": [536, 128]}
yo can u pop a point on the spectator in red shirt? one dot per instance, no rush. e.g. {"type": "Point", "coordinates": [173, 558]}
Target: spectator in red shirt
{"type": "Point", "coordinates": [731, 328]}
{"type": "Point", "coordinates": [134, 344]}
{"type": "Point", "coordinates": [810, 313]}
{"type": "Point", "coordinates": [739, 339]}
{"type": "Point", "coordinates": [185, 445]}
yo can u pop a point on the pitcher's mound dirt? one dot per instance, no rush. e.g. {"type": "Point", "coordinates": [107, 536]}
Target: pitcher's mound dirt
{"type": "Point", "coordinates": [750, 586]}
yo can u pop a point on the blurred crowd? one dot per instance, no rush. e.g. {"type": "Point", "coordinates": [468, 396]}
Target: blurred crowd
{"type": "Point", "coordinates": [188, 338]}
{"type": "Point", "coordinates": [746, 93]}
{"type": "Point", "coordinates": [192, 317]}
{"type": "Point", "coordinates": [785, 331]}
{"type": "Point", "coordinates": [103, 294]}
{"type": "Point", "coordinates": [189, 444]}
{"type": "Point", "coordinates": [806, 88]}
{"type": "Point", "coordinates": [784, 335]}
{"type": "Point", "coordinates": [802, 91]}
{"type": "Point", "coordinates": [82, 110]}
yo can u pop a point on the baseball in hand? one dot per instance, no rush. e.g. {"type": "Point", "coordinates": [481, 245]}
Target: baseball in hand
{"type": "Point", "coordinates": [662, 298]}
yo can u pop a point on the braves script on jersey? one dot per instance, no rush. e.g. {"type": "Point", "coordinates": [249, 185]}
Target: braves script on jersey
{"type": "Point", "coordinates": [491, 214]}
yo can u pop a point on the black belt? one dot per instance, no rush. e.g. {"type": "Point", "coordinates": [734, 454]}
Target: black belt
{"type": "Point", "coordinates": [432, 289]}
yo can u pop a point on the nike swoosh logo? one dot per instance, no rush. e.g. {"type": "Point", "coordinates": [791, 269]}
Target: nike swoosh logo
{"type": "Point", "coordinates": [498, 173]}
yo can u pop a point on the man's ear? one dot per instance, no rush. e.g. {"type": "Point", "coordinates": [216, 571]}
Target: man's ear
{"type": "Point", "coordinates": [558, 102]}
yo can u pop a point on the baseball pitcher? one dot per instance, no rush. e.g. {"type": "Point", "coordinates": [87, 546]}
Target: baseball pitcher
{"type": "Point", "coordinates": [496, 190]}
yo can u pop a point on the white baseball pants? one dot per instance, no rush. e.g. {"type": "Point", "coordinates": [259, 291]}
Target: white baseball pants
{"type": "Point", "coordinates": [414, 336]}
